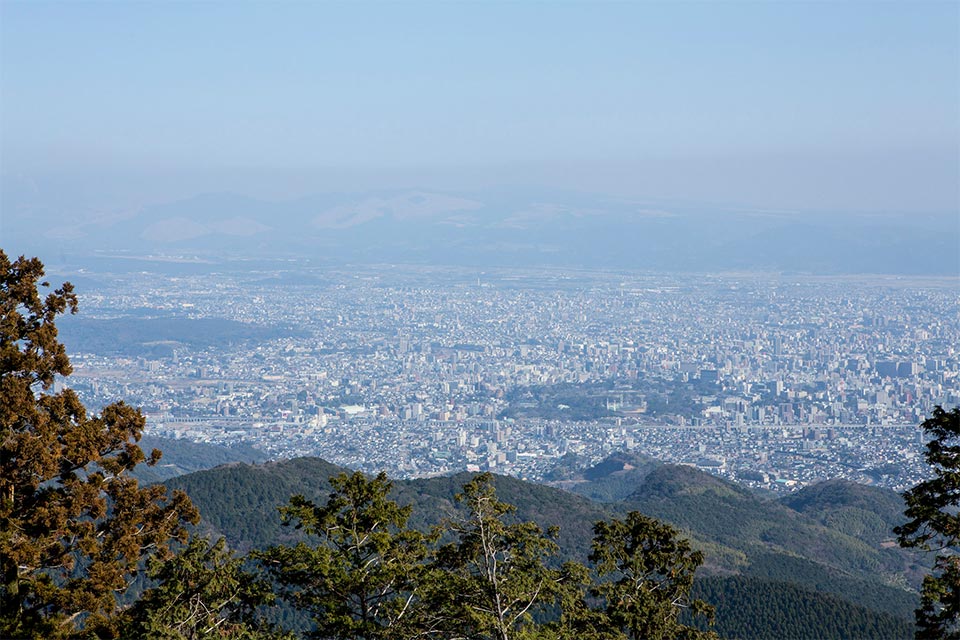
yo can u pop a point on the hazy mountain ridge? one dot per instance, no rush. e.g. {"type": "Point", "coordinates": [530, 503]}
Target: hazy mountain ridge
{"type": "Point", "coordinates": [521, 228]}
{"type": "Point", "coordinates": [610, 481]}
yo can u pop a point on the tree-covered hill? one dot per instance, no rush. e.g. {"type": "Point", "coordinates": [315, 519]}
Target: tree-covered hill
{"type": "Point", "coordinates": [754, 609]}
{"type": "Point", "coordinates": [868, 513]}
{"type": "Point", "coordinates": [774, 551]}
{"type": "Point", "coordinates": [433, 500]}
{"type": "Point", "coordinates": [240, 501]}
{"type": "Point", "coordinates": [160, 336]}
{"type": "Point", "coordinates": [611, 480]}
{"type": "Point", "coordinates": [771, 535]}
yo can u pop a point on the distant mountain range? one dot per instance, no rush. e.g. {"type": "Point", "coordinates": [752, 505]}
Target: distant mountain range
{"type": "Point", "coordinates": [516, 228]}
{"type": "Point", "coordinates": [819, 563]}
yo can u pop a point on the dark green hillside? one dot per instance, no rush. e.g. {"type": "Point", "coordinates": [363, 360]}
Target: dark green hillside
{"type": "Point", "coordinates": [868, 513]}
{"type": "Point", "coordinates": [771, 536]}
{"type": "Point", "coordinates": [707, 505]}
{"type": "Point", "coordinates": [781, 567]}
{"type": "Point", "coordinates": [764, 542]}
{"type": "Point", "coordinates": [865, 513]}
{"type": "Point", "coordinates": [733, 516]}
{"type": "Point", "coordinates": [240, 501]}
{"type": "Point", "coordinates": [433, 500]}
{"type": "Point", "coordinates": [611, 480]}
{"type": "Point", "coordinates": [752, 609]}
{"type": "Point", "coordinates": [620, 464]}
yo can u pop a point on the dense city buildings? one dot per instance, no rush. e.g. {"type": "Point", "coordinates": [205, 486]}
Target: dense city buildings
{"type": "Point", "coordinates": [772, 380]}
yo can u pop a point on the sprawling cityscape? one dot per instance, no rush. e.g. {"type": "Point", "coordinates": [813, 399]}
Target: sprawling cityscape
{"type": "Point", "coordinates": [775, 381]}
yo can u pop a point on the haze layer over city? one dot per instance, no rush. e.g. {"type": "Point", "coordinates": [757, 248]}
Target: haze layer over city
{"type": "Point", "coordinates": [431, 237]}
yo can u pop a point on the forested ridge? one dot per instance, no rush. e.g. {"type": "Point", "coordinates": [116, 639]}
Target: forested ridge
{"type": "Point", "coordinates": [756, 609]}
{"type": "Point", "coordinates": [773, 550]}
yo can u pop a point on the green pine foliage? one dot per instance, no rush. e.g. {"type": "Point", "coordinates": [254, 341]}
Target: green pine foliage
{"type": "Point", "coordinates": [645, 573]}
{"type": "Point", "coordinates": [202, 592]}
{"type": "Point", "coordinates": [934, 526]}
{"type": "Point", "coordinates": [363, 573]}
{"type": "Point", "coordinates": [493, 581]}
{"type": "Point", "coordinates": [545, 506]}
{"type": "Point", "coordinates": [360, 579]}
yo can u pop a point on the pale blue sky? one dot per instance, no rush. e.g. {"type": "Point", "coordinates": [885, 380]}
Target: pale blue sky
{"type": "Point", "coordinates": [840, 106]}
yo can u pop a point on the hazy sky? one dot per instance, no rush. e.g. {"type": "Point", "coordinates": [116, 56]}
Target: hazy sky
{"type": "Point", "coordinates": [818, 105]}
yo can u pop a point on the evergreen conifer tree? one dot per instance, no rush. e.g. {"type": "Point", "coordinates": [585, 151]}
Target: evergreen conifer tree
{"type": "Point", "coordinates": [934, 525]}
{"type": "Point", "coordinates": [75, 527]}
{"type": "Point", "coordinates": [495, 574]}
{"type": "Point", "coordinates": [359, 579]}
{"type": "Point", "coordinates": [201, 592]}
{"type": "Point", "coordinates": [645, 575]}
